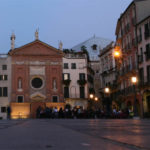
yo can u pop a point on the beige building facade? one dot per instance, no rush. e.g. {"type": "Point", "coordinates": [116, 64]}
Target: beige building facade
{"type": "Point", "coordinates": [5, 84]}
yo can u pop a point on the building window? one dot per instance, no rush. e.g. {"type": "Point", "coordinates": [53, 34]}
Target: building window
{"type": "Point", "coordinates": [37, 83]}
{"type": "Point", "coordinates": [4, 67]}
{"type": "Point", "coordinates": [55, 99]}
{"type": "Point", "coordinates": [66, 76]}
{"type": "Point", "coordinates": [148, 74]}
{"type": "Point", "coordinates": [73, 66]}
{"type": "Point", "coordinates": [20, 99]}
{"type": "Point", "coordinates": [66, 66]}
{"type": "Point", "coordinates": [1, 92]}
{"type": "Point", "coordinates": [5, 93]}
{"type": "Point", "coordinates": [66, 92]}
{"type": "Point", "coordinates": [3, 109]}
{"type": "Point", "coordinates": [3, 77]}
{"type": "Point", "coordinates": [81, 76]}
{"type": "Point", "coordinates": [82, 93]}
{"type": "Point", "coordinates": [94, 47]}
{"type": "Point", "coordinates": [147, 51]}
{"type": "Point", "coordinates": [147, 30]}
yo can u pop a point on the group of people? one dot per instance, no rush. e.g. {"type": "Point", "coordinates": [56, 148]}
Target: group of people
{"type": "Point", "coordinates": [80, 113]}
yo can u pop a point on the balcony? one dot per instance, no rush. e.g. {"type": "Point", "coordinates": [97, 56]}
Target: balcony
{"type": "Point", "coordinates": [128, 70]}
{"type": "Point", "coordinates": [66, 82]}
{"type": "Point", "coordinates": [90, 79]}
{"type": "Point", "coordinates": [81, 82]}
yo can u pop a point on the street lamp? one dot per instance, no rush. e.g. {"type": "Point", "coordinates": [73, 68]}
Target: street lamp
{"type": "Point", "coordinates": [117, 52]}
{"type": "Point", "coordinates": [91, 96]}
{"type": "Point", "coordinates": [107, 90]}
{"type": "Point", "coordinates": [107, 100]}
{"type": "Point", "coordinates": [134, 81]}
{"type": "Point", "coordinates": [96, 98]}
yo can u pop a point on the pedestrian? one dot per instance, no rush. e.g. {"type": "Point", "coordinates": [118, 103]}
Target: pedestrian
{"type": "Point", "coordinates": [8, 112]}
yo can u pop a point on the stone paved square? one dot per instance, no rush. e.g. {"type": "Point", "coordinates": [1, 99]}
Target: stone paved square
{"type": "Point", "coordinates": [74, 134]}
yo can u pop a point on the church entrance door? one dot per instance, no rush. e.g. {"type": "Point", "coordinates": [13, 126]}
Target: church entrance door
{"type": "Point", "coordinates": [35, 106]}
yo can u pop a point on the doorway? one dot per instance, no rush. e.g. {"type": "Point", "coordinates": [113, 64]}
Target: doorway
{"type": "Point", "coordinates": [35, 106]}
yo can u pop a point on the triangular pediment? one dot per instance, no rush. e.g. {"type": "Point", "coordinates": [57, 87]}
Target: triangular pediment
{"type": "Point", "coordinates": [36, 48]}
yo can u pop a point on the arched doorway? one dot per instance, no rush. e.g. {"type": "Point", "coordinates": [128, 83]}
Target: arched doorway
{"type": "Point", "coordinates": [37, 100]}
{"type": "Point", "coordinates": [34, 106]}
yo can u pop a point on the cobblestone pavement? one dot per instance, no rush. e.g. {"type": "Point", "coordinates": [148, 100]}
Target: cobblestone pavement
{"type": "Point", "coordinates": [74, 134]}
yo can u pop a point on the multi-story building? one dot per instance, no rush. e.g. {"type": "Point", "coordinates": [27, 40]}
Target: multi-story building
{"type": "Point", "coordinates": [108, 70]}
{"type": "Point", "coordinates": [76, 79]}
{"type": "Point", "coordinates": [126, 38]}
{"type": "Point", "coordinates": [5, 84]}
{"type": "Point", "coordinates": [93, 46]}
{"type": "Point", "coordinates": [143, 33]}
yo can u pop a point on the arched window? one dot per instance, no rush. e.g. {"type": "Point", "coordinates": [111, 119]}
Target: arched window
{"type": "Point", "coordinates": [19, 83]}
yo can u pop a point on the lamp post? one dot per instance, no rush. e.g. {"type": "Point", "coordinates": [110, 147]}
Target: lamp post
{"type": "Point", "coordinates": [91, 97]}
{"type": "Point", "coordinates": [107, 100]}
{"type": "Point", "coordinates": [134, 82]}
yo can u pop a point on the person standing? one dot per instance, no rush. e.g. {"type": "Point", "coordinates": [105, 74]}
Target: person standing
{"type": "Point", "coordinates": [8, 112]}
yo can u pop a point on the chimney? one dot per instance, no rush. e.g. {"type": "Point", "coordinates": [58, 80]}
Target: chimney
{"type": "Point", "coordinates": [12, 38]}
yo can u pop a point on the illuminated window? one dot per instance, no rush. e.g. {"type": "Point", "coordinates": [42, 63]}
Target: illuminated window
{"type": "Point", "coordinates": [66, 76]}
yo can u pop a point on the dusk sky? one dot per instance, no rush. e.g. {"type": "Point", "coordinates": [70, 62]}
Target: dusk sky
{"type": "Point", "coordinates": [71, 21]}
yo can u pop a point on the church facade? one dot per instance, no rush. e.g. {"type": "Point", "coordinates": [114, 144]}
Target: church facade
{"type": "Point", "coordinates": [36, 78]}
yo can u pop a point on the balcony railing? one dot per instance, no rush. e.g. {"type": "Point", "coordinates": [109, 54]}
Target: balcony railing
{"type": "Point", "coordinates": [127, 69]}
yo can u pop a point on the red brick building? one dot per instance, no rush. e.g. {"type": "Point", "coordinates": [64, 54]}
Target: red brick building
{"type": "Point", "coordinates": [36, 78]}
